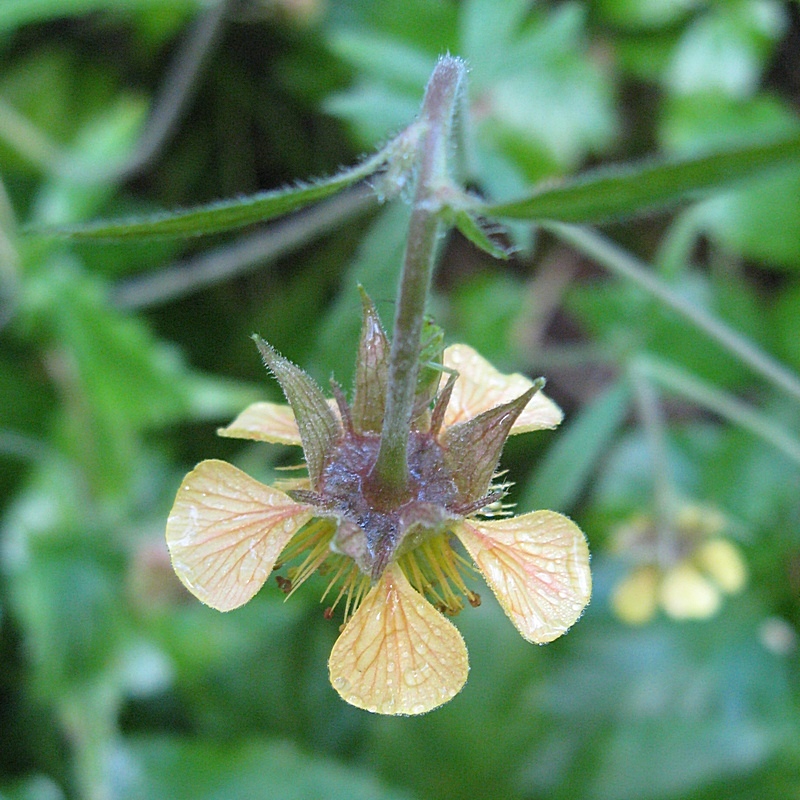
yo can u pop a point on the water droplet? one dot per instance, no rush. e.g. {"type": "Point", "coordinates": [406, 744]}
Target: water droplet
{"type": "Point", "coordinates": [341, 684]}
{"type": "Point", "coordinates": [418, 709]}
{"type": "Point", "coordinates": [413, 677]}
{"type": "Point", "coordinates": [288, 525]}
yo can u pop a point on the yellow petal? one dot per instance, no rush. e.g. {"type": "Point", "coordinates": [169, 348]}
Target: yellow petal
{"type": "Point", "coordinates": [686, 594]}
{"type": "Point", "coordinates": [537, 565]}
{"type": "Point", "coordinates": [226, 531]}
{"type": "Point", "coordinates": [723, 563]}
{"type": "Point", "coordinates": [481, 387]}
{"type": "Point", "coordinates": [634, 597]}
{"type": "Point", "coordinates": [398, 654]}
{"type": "Point", "coordinates": [265, 422]}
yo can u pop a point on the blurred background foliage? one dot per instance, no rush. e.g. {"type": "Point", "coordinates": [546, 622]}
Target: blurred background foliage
{"type": "Point", "coordinates": [119, 360]}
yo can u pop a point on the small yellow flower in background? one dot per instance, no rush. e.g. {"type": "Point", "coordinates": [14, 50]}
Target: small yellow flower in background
{"type": "Point", "coordinates": [685, 572]}
{"type": "Point", "coordinates": [396, 567]}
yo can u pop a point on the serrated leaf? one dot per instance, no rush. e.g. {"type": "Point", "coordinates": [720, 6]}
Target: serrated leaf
{"type": "Point", "coordinates": [628, 190]}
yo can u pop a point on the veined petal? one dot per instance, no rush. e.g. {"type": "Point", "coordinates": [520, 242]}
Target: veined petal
{"type": "Point", "coordinates": [537, 565]}
{"type": "Point", "coordinates": [226, 531]}
{"type": "Point", "coordinates": [265, 422]}
{"type": "Point", "coordinates": [398, 654]}
{"type": "Point", "coordinates": [481, 387]}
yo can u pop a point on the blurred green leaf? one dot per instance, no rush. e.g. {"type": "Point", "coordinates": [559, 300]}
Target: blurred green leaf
{"type": "Point", "coordinates": [630, 190]}
{"type": "Point", "coordinates": [253, 768]}
{"type": "Point", "coordinates": [14, 13]}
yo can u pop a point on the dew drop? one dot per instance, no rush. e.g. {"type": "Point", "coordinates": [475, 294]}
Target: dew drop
{"type": "Point", "coordinates": [288, 525]}
{"type": "Point", "coordinates": [341, 684]}
{"type": "Point", "coordinates": [418, 709]}
{"type": "Point", "coordinates": [413, 677]}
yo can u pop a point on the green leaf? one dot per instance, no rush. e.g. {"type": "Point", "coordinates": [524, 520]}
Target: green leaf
{"type": "Point", "coordinates": [257, 769]}
{"type": "Point", "coordinates": [14, 13]}
{"type": "Point", "coordinates": [584, 441]}
{"type": "Point", "coordinates": [469, 227]}
{"type": "Point", "coordinates": [628, 190]}
{"type": "Point", "coordinates": [219, 216]}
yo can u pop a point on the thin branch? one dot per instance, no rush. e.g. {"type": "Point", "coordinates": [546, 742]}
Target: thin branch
{"type": "Point", "coordinates": [620, 262]}
{"type": "Point", "coordinates": [244, 255]}
{"type": "Point", "coordinates": [722, 403]}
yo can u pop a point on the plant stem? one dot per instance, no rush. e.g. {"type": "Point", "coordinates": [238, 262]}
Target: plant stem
{"type": "Point", "coordinates": [390, 474]}
{"type": "Point", "coordinates": [731, 408]}
{"type": "Point", "coordinates": [616, 260]}
{"type": "Point", "coordinates": [652, 418]}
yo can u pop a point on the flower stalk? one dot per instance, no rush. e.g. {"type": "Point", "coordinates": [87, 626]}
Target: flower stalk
{"type": "Point", "coordinates": [389, 479]}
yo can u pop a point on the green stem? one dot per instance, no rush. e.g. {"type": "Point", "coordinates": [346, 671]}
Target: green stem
{"type": "Point", "coordinates": [390, 474]}
{"type": "Point", "coordinates": [652, 418]}
{"type": "Point", "coordinates": [722, 403]}
{"type": "Point", "coordinates": [616, 260]}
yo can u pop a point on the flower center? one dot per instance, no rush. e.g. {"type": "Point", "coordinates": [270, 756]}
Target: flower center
{"type": "Point", "coordinates": [382, 520]}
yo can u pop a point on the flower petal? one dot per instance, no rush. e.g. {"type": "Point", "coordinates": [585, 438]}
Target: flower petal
{"type": "Point", "coordinates": [481, 387]}
{"type": "Point", "coordinates": [265, 422]}
{"type": "Point", "coordinates": [398, 654]}
{"type": "Point", "coordinates": [537, 565]}
{"type": "Point", "coordinates": [226, 531]}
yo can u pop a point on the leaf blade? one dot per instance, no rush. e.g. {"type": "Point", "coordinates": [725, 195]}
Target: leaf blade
{"type": "Point", "coordinates": [628, 190]}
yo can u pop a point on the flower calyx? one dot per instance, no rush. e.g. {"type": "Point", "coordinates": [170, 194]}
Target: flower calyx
{"type": "Point", "coordinates": [450, 468]}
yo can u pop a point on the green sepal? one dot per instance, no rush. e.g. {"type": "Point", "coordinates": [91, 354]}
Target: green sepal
{"type": "Point", "coordinates": [318, 426]}
{"type": "Point", "coordinates": [473, 447]}
{"type": "Point", "coordinates": [372, 370]}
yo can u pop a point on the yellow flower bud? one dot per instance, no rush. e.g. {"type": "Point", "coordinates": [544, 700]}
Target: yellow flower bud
{"type": "Point", "coordinates": [634, 598]}
{"type": "Point", "coordinates": [686, 594]}
{"type": "Point", "coordinates": [723, 563]}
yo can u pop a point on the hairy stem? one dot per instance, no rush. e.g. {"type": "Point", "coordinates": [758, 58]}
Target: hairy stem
{"type": "Point", "coordinates": [390, 473]}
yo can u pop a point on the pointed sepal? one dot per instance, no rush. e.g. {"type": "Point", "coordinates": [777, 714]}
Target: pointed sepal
{"type": "Point", "coordinates": [473, 448]}
{"type": "Point", "coordinates": [372, 370]}
{"type": "Point", "coordinates": [226, 531]}
{"type": "Point", "coordinates": [319, 428]}
{"type": "Point", "coordinates": [398, 654]}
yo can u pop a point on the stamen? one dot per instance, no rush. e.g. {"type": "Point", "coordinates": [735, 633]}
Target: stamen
{"type": "Point", "coordinates": [305, 539]}
{"type": "Point", "coordinates": [434, 570]}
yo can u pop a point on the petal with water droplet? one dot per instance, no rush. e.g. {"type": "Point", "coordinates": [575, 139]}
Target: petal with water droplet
{"type": "Point", "coordinates": [265, 422]}
{"type": "Point", "coordinates": [398, 654]}
{"type": "Point", "coordinates": [538, 566]}
{"type": "Point", "coordinates": [226, 531]}
{"type": "Point", "coordinates": [480, 387]}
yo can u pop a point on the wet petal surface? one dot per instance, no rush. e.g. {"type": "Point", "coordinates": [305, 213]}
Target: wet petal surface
{"type": "Point", "coordinates": [398, 654]}
{"type": "Point", "coordinates": [265, 422]}
{"type": "Point", "coordinates": [226, 531]}
{"type": "Point", "coordinates": [537, 565]}
{"type": "Point", "coordinates": [481, 387]}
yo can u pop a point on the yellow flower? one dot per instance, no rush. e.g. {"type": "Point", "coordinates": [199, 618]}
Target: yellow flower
{"type": "Point", "coordinates": [686, 576]}
{"type": "Point", "coordinates": [397, 652]}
